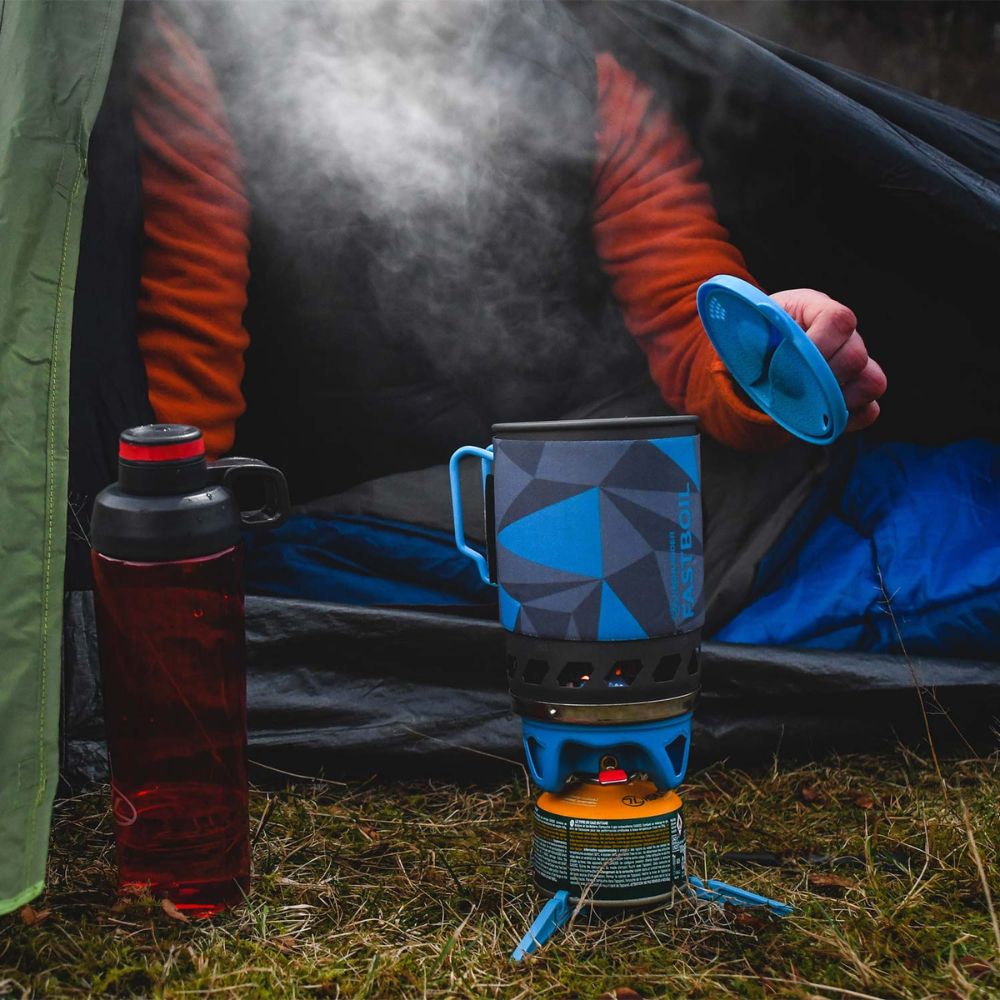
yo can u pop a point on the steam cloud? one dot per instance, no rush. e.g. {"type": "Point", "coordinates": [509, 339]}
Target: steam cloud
{"type": "Point", "coordinates": [455, 130]}
{"type": "Point", "coordinates": [403, 97]}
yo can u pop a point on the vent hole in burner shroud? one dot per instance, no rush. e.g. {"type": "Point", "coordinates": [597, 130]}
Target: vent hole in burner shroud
{"type": "Point", "coordinates": [667, 668]}
{"type": "Point", "coordinates": [623, 673]}
{"type": "Point", "coordinates": [575, 674]}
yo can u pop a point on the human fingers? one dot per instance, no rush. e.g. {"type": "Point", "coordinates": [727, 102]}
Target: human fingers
{"type": "Point", "coordinates": [868, 384]}
{"type": "Point", "coordinates": [833, 326]}
{"type": "Point", "coordinates": [865, 417]}
{"type": "Point", "coordinates": [850, 359]}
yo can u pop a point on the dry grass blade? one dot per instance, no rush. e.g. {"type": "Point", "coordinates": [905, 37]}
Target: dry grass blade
{"type": "Point", "coordinates": [170, 909]}
{"type": "Point", "coordinates": [422, 888]}
{"type": "Point", "coordinates": [917, 686]}
{"type": "Point", "coordinates": [978, 861]}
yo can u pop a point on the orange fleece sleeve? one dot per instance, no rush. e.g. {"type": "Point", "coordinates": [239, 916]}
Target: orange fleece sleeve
{"type": "Point", "coordinates": [195, 265]}
{"type": "Point", "coordinates": [658, 239]}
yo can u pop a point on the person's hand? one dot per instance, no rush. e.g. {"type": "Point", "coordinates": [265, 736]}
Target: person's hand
{"type": "Point", "coordinates": [833, 328]}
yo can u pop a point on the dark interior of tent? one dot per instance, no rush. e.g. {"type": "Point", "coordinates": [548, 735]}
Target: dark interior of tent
{"type": "Point", "coordinates": [851, 591]}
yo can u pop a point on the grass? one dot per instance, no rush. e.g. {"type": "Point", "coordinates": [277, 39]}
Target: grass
{"type": "Point", "coordinates": [381, 889]}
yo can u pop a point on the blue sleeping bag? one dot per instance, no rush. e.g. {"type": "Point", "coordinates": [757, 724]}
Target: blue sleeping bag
{"type": "Point", "coordinates": [349, 559]}
{"type": "Point", "coordinates": [908, 550]}
{"type": "Point", "coordinates": [909, 557]}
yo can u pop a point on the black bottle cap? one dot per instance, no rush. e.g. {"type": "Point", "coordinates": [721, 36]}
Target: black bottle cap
{"type": "Point", "coordinates": [170, 504]}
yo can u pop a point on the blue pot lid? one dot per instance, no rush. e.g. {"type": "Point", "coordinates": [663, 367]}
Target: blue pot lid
{"type": "Point", "coordinates": [772, 359]}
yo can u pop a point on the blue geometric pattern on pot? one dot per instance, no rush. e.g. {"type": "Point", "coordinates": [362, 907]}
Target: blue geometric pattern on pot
{"type": "Point", "coordinates": [616, 622]}
{"type": "Point", "coordinates": [599, 540]}
{"type": "Point", "coordinates": [683, 451]}
{"type": "Point", "coordinates": [564, 534]}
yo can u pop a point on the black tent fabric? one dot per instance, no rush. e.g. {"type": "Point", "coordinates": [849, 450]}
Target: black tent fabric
{"type": "Point", "coordinates": [335, 690]}
{"type": "Point", "coordinates": [107, 379]}
{"type": "Point", "coordinates": [884, 200]}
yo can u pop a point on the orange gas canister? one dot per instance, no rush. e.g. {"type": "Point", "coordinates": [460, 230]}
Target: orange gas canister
{"type": "Point", "coordinates": [614, 842]}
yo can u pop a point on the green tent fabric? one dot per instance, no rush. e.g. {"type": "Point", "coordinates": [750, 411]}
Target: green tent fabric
{"type": "Point", "coordinates": [54, 65]}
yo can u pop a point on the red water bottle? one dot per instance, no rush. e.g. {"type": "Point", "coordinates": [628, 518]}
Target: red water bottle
{"type": "Point", "coordinates": [168, 592]}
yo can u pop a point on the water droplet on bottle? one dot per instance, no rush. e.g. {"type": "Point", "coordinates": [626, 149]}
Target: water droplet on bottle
{"type": "Point", "coordinates": [199, 612]}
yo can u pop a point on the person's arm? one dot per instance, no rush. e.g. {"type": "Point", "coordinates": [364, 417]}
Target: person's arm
{"type": "Point", "coordinates": [658, 239]}
{"type": "Point", "coordinates": [195, 265]}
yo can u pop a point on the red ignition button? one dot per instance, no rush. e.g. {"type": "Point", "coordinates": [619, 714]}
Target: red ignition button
{"type": "Point", "coordinates": [614, 777]}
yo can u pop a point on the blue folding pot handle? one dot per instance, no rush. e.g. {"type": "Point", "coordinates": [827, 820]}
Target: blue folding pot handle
{"type": "Point", "coordinates": [485, 455]}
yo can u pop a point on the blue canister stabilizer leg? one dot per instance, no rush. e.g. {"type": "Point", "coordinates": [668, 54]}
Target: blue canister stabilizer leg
{"type": "Point", "coordinates": [558, 910]}
{"type": "Point", "coordinates": [555, 914]}
{"type": "Point", "coordinates": [715, 891]}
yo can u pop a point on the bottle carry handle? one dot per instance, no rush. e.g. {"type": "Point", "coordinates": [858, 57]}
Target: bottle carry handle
{"type": "Point", "coordinates": [228, 472]}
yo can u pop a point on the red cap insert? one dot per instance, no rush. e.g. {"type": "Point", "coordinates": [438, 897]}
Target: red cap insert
{"type": "Point", "coordinates": [616, 776]}
{"type": "Point", "coordinates": [161, 443]}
